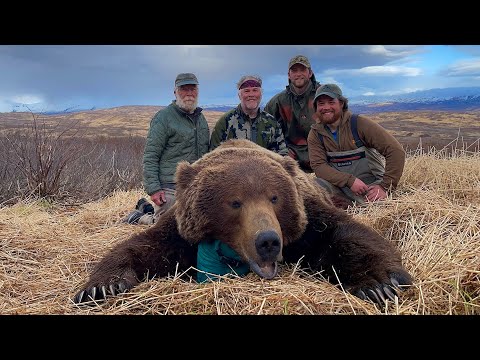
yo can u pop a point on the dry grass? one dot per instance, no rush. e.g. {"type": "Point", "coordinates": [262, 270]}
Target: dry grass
{"type": "Point", "coordinates": [47, 252]}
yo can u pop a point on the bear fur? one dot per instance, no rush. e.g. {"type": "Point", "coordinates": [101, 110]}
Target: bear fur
{"type": "Point", "coordinates": [267, 210]}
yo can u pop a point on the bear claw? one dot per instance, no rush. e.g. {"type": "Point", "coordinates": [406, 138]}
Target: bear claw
{"type": "Point", "coordinates": [390, 294]}
{"type": "Point", "coordinates": [79, 297]}
{"type": "Point", "coordinates": [379, 293]}
{"type": "Point", "coordinates": [360, 294]}
{"type": "Point", "coordinates": [372, 295]}
{"type": "Point", "coordinates": [96, 293]}
{"type": "Point", "coordinates": [395, 282]}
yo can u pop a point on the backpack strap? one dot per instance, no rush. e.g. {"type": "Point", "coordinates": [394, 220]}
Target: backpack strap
{"type": "Point", "coordinates": [353, 125]}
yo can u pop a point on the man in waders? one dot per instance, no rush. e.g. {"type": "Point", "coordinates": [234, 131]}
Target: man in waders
{"type": "Point", "coordinates": [352, 156]}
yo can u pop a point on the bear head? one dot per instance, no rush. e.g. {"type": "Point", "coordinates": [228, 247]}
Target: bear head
{"type": "Point", "coordinates": [245, 196]}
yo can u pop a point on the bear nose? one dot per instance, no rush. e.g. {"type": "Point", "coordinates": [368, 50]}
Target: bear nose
{"type": "Point", "coordinates": [268, 244]}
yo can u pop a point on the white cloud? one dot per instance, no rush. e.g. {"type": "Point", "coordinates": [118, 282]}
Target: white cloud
{"type": "Point", "coordinates": [386, 70]}
{"type": "Point", "coordinates": [393, 51]}
{"type": "Point", "coordinates": [465, 68]}
{"type": "Point", "coordinates": [328, 80]}
{"type": "Point", "coordinates": [400, 91]}
{"type": "Point", "coordinates": [27, 99]}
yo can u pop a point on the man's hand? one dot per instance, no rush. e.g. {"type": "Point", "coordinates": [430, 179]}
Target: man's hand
{"type": "Point", "coordinates": [376, 192]}
{"type": "Point", "coordinates": [158, 198]}
{"type": "Point", "coordinates": [359, 188]}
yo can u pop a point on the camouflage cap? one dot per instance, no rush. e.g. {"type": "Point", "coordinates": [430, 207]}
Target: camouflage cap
{"type": "Point", "coordinates": [186, 79]}
{"type": "Point", "coordinates": [331, 90]}
{"type": "Point", "coordinates": [299, 59]}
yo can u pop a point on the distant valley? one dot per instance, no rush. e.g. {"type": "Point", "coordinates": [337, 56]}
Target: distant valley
{"type": "Point", "coordinates": [411, 127]}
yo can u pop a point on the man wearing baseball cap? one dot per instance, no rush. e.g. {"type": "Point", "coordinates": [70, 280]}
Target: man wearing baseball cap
{"type": "Point", "coordinates": [247, 121]}
{"type": "Point", "coordinates": [293, 108]}
{"type": "Point", "coordinates": [177, 132]}
{"type": "Point", "coordinates": [352, 156]}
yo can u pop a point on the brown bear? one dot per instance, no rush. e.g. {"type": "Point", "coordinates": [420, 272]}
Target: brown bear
{"type": "Point", "coordinates": [264, 208]}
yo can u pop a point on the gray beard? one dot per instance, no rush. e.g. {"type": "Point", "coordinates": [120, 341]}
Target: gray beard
{"type": "Point", "coordinates": [186, 107]}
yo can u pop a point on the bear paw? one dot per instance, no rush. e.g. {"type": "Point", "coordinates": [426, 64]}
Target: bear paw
{"type": "Point", "coordinates": [378, 292]}
{"type": "Point", "coordinates": [98, 290]}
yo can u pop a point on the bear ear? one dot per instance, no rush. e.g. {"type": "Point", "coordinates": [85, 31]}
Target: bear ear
{"type": "Point", "coordinates": [185, 174]}
{"type": "Point", "coordinates": [290, 165]}
{"type": "Point", "coordinates": [191, 223]}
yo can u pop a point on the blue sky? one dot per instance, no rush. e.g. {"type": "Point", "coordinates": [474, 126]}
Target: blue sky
{"type": "Point", "coordinates": [60, 77]}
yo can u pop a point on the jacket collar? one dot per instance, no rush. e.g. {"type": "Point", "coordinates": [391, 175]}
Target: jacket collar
{"type": "Point", "coordinates": [244, 116]}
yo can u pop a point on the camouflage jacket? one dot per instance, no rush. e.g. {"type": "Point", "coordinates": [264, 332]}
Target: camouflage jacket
{"type": "Point", "coordinates": [294, 112]}
{"type": "Point", "coordinates": [263, 130]}
{"type": "Point", "coordinates": [174, 135]}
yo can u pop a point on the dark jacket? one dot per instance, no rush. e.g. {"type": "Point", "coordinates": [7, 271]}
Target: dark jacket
{"type": "Point", "coordinates": [294, 112]}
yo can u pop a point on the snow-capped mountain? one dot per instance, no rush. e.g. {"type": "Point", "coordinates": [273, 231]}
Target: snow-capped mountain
{"type": "Point", "coordinates": [448, 99]}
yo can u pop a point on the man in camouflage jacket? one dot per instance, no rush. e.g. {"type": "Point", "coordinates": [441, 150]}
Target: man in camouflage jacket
{"type": "Point", "coordinates": [247, 121]}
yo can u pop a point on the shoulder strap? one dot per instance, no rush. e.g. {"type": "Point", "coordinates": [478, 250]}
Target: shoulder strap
{"type": "Point", "coordinates": [353, 125]}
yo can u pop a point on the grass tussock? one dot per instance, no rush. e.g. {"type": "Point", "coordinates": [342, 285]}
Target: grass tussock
{"type": "Point", "coordinates": [48, 251]}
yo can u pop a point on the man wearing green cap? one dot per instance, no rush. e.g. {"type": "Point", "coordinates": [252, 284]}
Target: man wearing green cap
{"type": "Point", "coordinates": [352, 156]}
{"type": "Point", "coordinates": [177, 132]}
{"type": "Point", "coordinates": [293, 108]}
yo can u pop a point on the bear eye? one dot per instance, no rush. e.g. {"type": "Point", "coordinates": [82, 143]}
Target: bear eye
{"type": "Point", "coordinates": [236, 204]}
{"type": "Point", "coordinates": [274, 199]}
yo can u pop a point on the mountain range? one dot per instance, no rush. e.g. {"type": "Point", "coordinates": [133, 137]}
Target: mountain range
{"type": "Point", "coordinates": [442, 99]}
{"type": "Point", "coordinates": [447, 99]}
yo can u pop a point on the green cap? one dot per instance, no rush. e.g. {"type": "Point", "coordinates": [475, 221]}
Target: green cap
{"type": "Point", "coordinates": [299, 59]}
{"type": "Point", "coordinates": [331, 90]}
{"type": "Point", "coordinates": [186, 79]}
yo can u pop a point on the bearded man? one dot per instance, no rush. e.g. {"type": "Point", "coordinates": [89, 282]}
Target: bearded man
{"type": "Point", "coordinates": [293, 109]}
{"type": "Point", "coordinates": [351, 155]}
{"type": "Point", "coordinates": [177, 132]}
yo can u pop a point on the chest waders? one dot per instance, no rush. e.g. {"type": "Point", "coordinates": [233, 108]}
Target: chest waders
{"type": "Point", "coordinates": [364, 163]}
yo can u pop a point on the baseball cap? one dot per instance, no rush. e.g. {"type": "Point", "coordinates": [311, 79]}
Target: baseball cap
{"type": "Point", "coordinates": [331, 90]}
{"type": "Point", "coordinates": [186, 79]}
{"type": "Point", "coordinates": [299, 59]}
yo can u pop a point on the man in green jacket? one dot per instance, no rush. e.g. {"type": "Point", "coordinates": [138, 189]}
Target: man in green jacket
{"type": "Point", "coordinates": [353, 156]}
{"type": "Point", "coordinates": [247, 121]}
{"type": "Point", "coordinates": [293, 108]}
{"type": "Point", "coordinates": [177, 132]}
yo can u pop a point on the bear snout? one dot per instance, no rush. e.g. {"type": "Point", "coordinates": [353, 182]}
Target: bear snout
{"type": "Point", "coordinates": [268, 245]}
